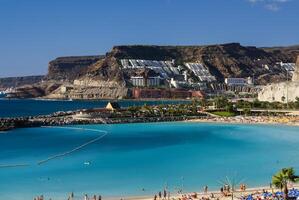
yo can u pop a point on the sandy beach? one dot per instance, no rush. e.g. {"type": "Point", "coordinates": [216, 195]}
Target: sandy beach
{"type": "Point", "coordinates": [274, 120]}
{"type": "Point", "coordinates": [237, 194]}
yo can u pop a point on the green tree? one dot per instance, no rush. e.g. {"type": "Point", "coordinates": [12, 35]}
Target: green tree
{"type": "Point", "coordinates": [221, 102]}
{"type": "Point", "coordinates": [297, 103]}
{"type": "Point", "coordinates": [257, 103]}
{"type": "Point", "coordinates": [229, 107]}
{"type": "Point", "coordinates": [282, 178]}
{"type": "Point", "coordinates": [247, 111]}
{"type": "Point", "coordinates": [283, 98]}
{"type": "Point", "coordinates": [203, 103]}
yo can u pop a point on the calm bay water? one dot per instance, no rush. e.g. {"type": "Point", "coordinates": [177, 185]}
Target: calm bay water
{"type": "Point", "coordinates": [136, 156]}
{"type": "Point", "coordinates": [30, 107]}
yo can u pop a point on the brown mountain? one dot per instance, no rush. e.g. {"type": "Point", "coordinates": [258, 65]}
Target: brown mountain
{"type": "Point", "coordinates": [105, 75]}
{"type": "Point", "coordinates": [70, 68]}
{"type": "Point", "coordinates": [12, 82]}
{"type": "Point", "coordinates": [225, 60]}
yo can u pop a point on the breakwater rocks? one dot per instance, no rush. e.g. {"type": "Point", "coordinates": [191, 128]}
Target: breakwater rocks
{"type": "Point", "coordinates": [87, 117]}
{"type": "Point", "coordinates": [58, 118]}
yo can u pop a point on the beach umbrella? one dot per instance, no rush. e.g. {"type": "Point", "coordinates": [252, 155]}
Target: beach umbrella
{"type": "Point", "coordinates": [249, 197]}
{"type": "Point", "coordinates": [294, 193]}
{"type": "Point", "coordinates": [291, 194]}
{"type": "Point", "coordinates": [279, 193]}
{"type": "Point", "coordinates": [267, 194]}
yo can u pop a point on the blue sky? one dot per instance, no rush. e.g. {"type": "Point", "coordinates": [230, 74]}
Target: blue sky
{"type": "Point", "coordinates": [35, 31]}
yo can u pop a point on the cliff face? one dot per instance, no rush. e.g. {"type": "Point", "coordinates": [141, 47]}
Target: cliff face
{"type": "Point", "coordinates": [102, 80]}
{"type": "Point", "coordinates": [227, 60]}
{"type": "Point", "coordinates": [284, 91]}
{"type": "Point", "coordinates": [295, 77]}
{"type": "Point", "coordinates": [33, 91]}
{"type": "Point", "coordinates": [70, 68]}
{"type": "Point", "coordinates": [107, 69]}
{"type": "Point", "coordinates": [106, 73]}
{"type": "Point", "coordinates": [284, 53]}
{"type": "Point", "coordinates": [106, 78]}
{"type": "Point", "coordinates": [12, 82]}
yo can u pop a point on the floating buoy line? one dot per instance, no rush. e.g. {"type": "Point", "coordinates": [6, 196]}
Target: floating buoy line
{"type": "Point", "coordinates": [63, 154]}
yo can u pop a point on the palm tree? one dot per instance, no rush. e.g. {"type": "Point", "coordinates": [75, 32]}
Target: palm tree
{"type": "Point", "coordinates": [282, 178]}
{"type": "Point", "coordinates": [232, 182]}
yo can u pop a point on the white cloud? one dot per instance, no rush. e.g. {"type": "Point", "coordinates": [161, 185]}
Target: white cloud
{"type": "Point", "coordinates": [269, 1]}
{"type": "Point", "coordinates": [272, 5]}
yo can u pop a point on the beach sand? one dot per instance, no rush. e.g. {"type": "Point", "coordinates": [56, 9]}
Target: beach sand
{"type": "Point", "coordinates": [277, 120]}
{"type": "Point", "coordinates": [217, 194]}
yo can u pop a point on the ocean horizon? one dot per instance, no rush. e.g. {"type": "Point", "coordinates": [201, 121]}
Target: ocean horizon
{"type": "Point", "coordinates": [34, 107]}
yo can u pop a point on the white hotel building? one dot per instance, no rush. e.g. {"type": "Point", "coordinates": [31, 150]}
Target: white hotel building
{"type": "Point", "coordinates": [238, 81]}
{"type": "Point", "coordinates": [142, 82]}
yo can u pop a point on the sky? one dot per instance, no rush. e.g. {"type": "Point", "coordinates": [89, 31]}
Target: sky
{"type": "Point", "coordinates": [33, 32]}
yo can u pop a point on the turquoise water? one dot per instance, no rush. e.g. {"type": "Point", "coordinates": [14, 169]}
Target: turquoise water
{"type": "Point", "coordinates": [30, 107]}
{"type": "Point", "coordinates": [135, 156]}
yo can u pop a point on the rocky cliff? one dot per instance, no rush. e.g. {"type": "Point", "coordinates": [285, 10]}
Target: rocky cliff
{"type": "Point", "coordinates": [295, 77]}
{"type": "Point", "coordinates": [226, 60]}
{"type": "Point", "coordinates": [70, 68]}
{"type": "Point", "coordinates": [284, 53]}
{"type": "Point", "coordinates": [12, 82]}
{"type": "Point", "coordinates": [284, 91]}
{"type": "Point", "coordinates": [107, 75]}
{"type": "Point", "coordinates": [102, 80]}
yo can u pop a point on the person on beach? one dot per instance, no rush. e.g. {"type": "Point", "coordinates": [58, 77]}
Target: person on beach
{"type": "Point", "coordinates": [86, 197]}
{"type": "Point", "coordinates": [160, 195]}
{"type": "Point", "coordinates": [164, 194]}
{"type": "Point", "coordinates": [206, 189]}
{"type": "Point", "coordinates": [155, 197]}
{"type": "Point", "coordinates": [212, 195]}
{"type": "Point", "coordinates": [39, 197]}
{"type": "Point", "coordinates": [100, 197]}
{"type": "Point", "coordinates": [71, 197]}
{"type": "Point", "coordinates": [228, 188]}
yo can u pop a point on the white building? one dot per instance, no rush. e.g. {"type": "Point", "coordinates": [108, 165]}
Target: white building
{"type": "Point", "coordinates": [153, 81]}
{"type": "Point", "coordinates": [165, 69]}
{"type": "Point", "coordinates": [290, 67]}
{"type": "Point", "coordinates": [138, 81]}
{"type": "Point", "coordinates": [236, 81]}
{"type": "Point", "coordinates": [64, 89]}
{"type": "Point", "coordinates": [142, 82]}
{"type": "Point", "coordinates": [201, 72]}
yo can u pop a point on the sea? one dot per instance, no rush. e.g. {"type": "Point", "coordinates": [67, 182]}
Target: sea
{"type": "Point", "coordinates": [33, 107]}
{"type": "Point", "coordinates": [121, 160]}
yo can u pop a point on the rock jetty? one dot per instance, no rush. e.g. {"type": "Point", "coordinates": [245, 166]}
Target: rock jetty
{"type": "Point", "coordinates": [101, 116]}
